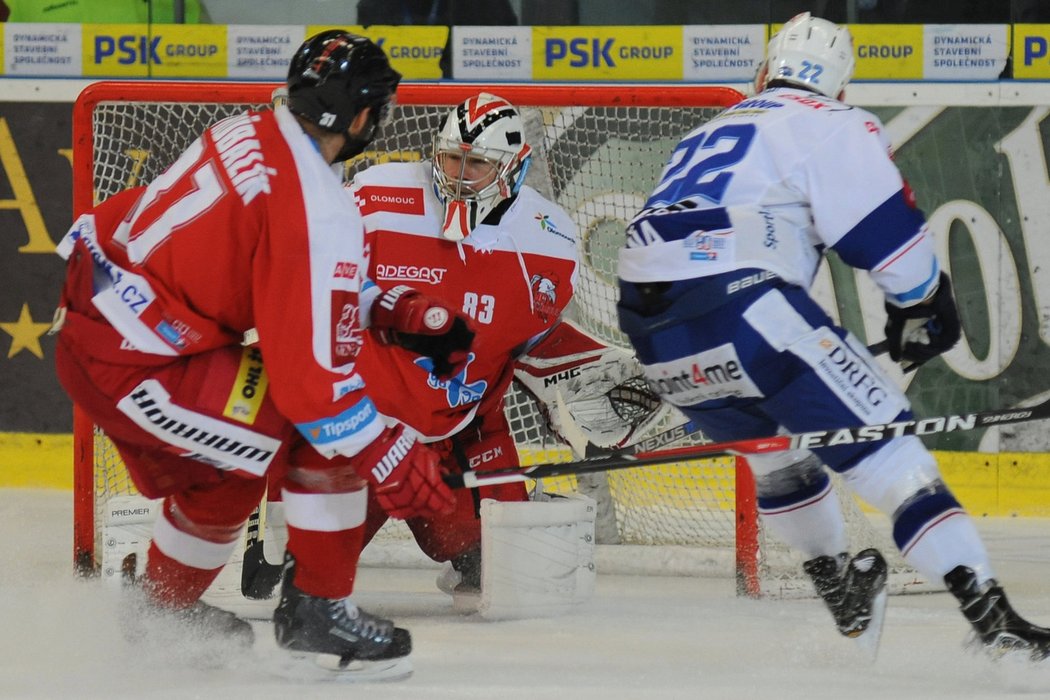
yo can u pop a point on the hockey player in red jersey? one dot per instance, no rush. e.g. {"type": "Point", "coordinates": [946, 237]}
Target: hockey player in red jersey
{"type": "Point", "coordinates": [251, 229]}
{"type": "Point", "coordinates": [464, 228]}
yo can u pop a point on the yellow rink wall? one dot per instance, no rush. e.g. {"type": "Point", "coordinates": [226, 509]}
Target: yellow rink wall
{"type": "Point", "coordinates": [1004, 484]}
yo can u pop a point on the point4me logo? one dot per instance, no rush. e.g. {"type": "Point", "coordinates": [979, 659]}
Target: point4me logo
{"type": "Point", "coordinates": [458, 390]}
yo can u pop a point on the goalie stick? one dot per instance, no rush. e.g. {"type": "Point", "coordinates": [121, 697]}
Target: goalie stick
{"type": "Point", "coordinates": [777, 443]}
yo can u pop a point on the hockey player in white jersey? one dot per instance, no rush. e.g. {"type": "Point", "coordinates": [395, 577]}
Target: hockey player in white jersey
{"type": "Point", "coordinates": [715, 276]}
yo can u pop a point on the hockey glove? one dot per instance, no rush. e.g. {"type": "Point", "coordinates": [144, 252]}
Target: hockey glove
{"type": "Point", "coordinates": [919, 333]}
{"type": "Point", "coordinates": [408, 318]}
{"type": "Point", "coordinates": [405, 476]}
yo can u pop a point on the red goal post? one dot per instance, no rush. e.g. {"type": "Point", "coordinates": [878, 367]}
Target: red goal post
{"type": "Point", "coordinates": [603, 147]}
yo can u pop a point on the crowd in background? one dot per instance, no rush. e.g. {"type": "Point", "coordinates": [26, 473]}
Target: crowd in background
{"type": "Point", "coordinates": [524, 12]}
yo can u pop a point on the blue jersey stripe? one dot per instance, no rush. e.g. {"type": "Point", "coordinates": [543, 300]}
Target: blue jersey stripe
{"type": "Point", "coordinates": [679, 225]}
{"type": "Point", "coordinates": [879, 235]}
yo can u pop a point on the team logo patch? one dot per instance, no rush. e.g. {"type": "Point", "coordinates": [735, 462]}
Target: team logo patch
{"type": "Point", "coordinates": [347, 336]}
{"type": "Point", "coordinates": [435, 318]}
{"type": "Point", "coordinates": [545, 295]}
{"type": "Point", "coordinates": [458, 390]}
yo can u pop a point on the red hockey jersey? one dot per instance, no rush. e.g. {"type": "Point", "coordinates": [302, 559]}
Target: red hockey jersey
{"type": "Point", "coordinates": [249, 228]}
{"type": "Point", "coordinates": [512, 279]}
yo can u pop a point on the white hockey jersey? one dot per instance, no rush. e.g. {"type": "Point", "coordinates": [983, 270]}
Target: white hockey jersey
{"type": "Point", "coordinates": [773, 181]}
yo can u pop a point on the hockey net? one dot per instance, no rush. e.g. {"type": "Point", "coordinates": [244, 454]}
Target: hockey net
{"type": "Point", "coordinates": [598, 152]}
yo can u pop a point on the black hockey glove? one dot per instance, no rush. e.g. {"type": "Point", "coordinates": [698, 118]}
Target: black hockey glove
{"type": "Point", "coordinates": [426, 326]}
{"type": "Point", "coordinates": [449, 351]}
{"type": "Point", "coordinates": [919, 333]}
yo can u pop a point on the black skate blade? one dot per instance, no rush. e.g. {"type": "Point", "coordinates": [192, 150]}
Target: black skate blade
{"type": "Point", "coordinates": [311, 667]}
{"type": "Point", "coordinates": [867, 642]}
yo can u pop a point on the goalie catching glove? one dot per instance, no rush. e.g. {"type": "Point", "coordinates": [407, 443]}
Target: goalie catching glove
{"type": "Point", "coordinates": [408, 318]}
{"type": "Point", "coordinates": [405, 476]}
{"type": "Point", "coordinates": [919, 333]}
{"type": "Point", "coordinates": [602, 387]}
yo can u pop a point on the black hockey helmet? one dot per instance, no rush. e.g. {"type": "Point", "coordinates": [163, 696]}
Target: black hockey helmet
{"type": "Point", "coordinates": [336, 74]}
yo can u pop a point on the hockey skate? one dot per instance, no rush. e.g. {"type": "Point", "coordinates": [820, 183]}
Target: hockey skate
{"type": "Point", "coordinates": [200, 634]}
{"type": "Point", "coordinates": [336, 639]}
{"type": "Point", "coordinates": [855, 593]}
{"type": "Point", "coordinates": [996, 626]}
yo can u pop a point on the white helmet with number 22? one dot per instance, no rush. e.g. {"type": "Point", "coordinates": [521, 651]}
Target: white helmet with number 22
{"type": "Point", "coordinates": [811, 53]}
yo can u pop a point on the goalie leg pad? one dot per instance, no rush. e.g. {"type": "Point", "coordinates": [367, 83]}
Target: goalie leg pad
{"type": "Point", "coordinates": [127, 528]}
{"type": "Point", "coordinates": [537, 557]}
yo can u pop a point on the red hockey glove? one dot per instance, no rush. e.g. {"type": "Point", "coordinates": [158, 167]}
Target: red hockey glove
{"type": "Point", "coordinates": [405, 476]}
{"type": "Point", "coordinates": [408, 318]}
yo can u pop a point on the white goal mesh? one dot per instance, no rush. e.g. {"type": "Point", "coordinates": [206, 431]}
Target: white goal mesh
{"type": "Point", "coordinates": [599, 151]}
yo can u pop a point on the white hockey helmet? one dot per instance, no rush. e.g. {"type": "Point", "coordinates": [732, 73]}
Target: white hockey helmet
{"type": "Point", "coordinates": [809, 52]}
{"type": "Point", "coordinates": [480, 159]}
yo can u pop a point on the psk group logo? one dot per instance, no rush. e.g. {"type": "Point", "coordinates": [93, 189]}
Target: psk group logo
{"type": "Point", "coordinates": [888, 51]}
{"type": "Point", "coordinates": [1032, 43]}
{"type": "Point", "coordinates": [616, 53]}
{"type": "Point", "coordinates": [171, 51]}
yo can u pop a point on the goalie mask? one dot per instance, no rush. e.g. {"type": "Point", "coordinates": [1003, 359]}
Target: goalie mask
{"type": "Point", "coordinates": [811, 53]}
{"type": "Point", "coordinates": [480, 159]}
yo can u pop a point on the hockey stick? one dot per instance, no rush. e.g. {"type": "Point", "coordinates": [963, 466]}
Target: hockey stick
{"type": "Point", "coordinates": [776, 443]}
{"type": "Point", "coordinates": [259, 578]}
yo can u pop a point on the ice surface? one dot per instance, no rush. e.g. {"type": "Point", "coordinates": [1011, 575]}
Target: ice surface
{"type": "Point", "coordinates": [640, 637]}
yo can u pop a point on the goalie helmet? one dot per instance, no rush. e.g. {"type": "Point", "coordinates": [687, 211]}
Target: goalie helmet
{"type": "Point", "coordinates": [480, 159]}
{"type": "Point", "coordinates": [811, 53]}
{"type": "Point", "coordinates": [333, 76]}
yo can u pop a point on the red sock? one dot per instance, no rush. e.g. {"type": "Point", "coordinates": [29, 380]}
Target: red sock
{"type": "Point", "coordinates": [170, 584]}
{"type": "Point", "coordinates": [325, 562]}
